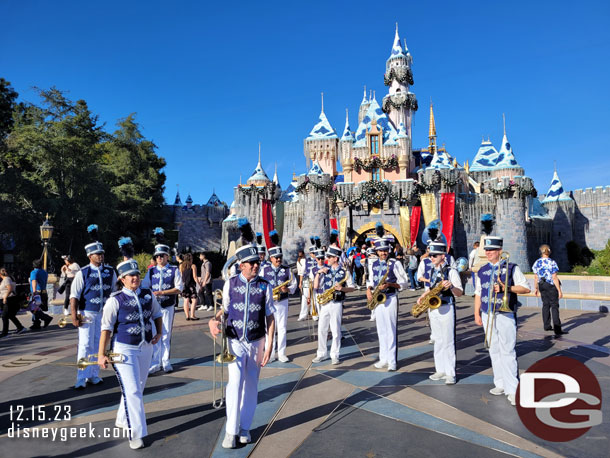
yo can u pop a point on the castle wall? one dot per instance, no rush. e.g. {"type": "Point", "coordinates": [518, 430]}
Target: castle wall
{"type": "Point", "coordinates": [591, 217]}
{"type": "Point", "coordinates": [200, 227]}
{"type": "Point", "coordinates": [562, 231]}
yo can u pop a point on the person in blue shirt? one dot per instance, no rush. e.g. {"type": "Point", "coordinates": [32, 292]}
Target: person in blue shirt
{"type": "Point", "coordinates": [545, 272]}
{"type": "Point", "coordinates": [38, 287]}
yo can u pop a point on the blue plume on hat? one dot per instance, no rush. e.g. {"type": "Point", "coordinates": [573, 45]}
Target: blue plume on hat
{"type": "Point", "coordinates": [92, 231]}
{"type": "Point", "coordinates": [259, 238]}
{"type": "Point", "coordinates": [159, 234]}
{"type": "Point", "coordinates": [158, 230]}
{"type": "Point", "coordinates": [247, 234]}
{"type": "Point", "coordinates": [334, 236]}
{"type": "Point", "coordinates": [318, 242]}
{"type": "Point", "coordinates": [275, 237]}
{"type": "Point", "coordinates": [312, 239]}
{"type": "Point", "coordinates": [379, 229]}
{"type": "Point", "coordinates": [126, 247]}
{"type": "Point", "coordinates": [487, 223]}
{"type": "Point", "coordinates": [433, 229]}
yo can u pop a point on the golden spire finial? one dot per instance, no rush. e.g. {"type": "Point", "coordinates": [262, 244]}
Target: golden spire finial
{"type": "Point", "coordinates": [432, 131]}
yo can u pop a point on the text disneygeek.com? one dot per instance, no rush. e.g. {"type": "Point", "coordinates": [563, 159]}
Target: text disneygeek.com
{"type": "Point", "coordinates": [65, 433]}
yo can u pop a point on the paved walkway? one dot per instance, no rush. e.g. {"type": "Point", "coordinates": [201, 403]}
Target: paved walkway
{"type": "Point", "coordinates": [304, 409]}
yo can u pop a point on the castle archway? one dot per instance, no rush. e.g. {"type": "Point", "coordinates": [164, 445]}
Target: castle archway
{"type": "Point", "coordinates": [368, 229]}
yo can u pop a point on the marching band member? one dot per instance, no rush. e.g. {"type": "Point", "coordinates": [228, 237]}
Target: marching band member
{"type": "Point", "coordinates": [371, 257]}
{"type": "Point", "coordinates": [319, 255]}
{"type": "Point", "coordinates": [276, 274]}
{"type": "Point", "coordinates": [90, 290]}
{"type": "Point", "coordinates": [166, 283]}
{"type": "Point", "coordinates": [386, 313]}
{"type": "Point", "coordinates": [442, 319]}
{"type": "Point", "coordinates": [503, 327]}
{"type": "Point", "coordinates": [310, 263]}
{"type": "Point", "coordinates": [129, 315]}
{"type": "Point", "coordinates": [262, 251]}
{"type": "Point", "coordinates": [330, 314]}
{"type": "Point", "coordinates": [247, 302]}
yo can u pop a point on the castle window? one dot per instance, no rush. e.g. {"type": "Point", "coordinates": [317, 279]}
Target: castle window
{"type": "Point", "coordinates": [375, 175]}
{"type": "Point", "coordinates": [374, 144]}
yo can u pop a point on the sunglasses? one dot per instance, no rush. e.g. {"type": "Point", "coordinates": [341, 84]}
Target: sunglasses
{"type": "Point", "coordinates": [253, 262]}
{"type": "Point", "coordinates": [435, 255]}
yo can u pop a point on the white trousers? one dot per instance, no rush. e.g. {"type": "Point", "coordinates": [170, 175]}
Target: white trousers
{"type": "Point", "coordinates": [502, 351]}
{"type": "Point", "coordinates": [385, 318]}
{"type": "Point", "coordinates": [304, 305]}
{"type": "Point", "coordinates": [442, 323]}
{"type": "Point", "coordinates": [242, 388]}
{"type": "Point", "coordinates": [160, 357]}
{"type": "Point", "coordinates": [132, 375]}
{"type": "Point", "coordinates": [329, 316]}
{"type": "Point", "coordinates": [281, 321]}
{"type": "Point", "coordinates": [88, 343]}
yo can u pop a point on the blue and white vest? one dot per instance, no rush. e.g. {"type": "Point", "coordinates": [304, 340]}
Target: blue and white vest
{"type": "Point", "coordinates": [328, 280]}
{"type": "Point", "coordinates": [427, 267]}
{"type": "Point", "coordinates": [436, 276]}
{"type": "Point", "coordinates": [246, 314]}
{"type": "Point", "coordinates": [95, 294]}
{"type": "Point", "coordinates": [310, 264]}
{"type": "Point", "coordinates": [276, 277]}
{"type": "Point", "coordinates": [264, 265]}
{"type": "Point", "coordinates": [488, 275]}
{"type": "Point", "coordinates": [162, 280]}
{"type": "Point", "coordinates": [379, 269]}
{"type": "Point", "coordinates": [134, 321]}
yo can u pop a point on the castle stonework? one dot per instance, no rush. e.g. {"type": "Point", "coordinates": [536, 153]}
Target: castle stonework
{"type": "Point", "coordinates": [381, 174]}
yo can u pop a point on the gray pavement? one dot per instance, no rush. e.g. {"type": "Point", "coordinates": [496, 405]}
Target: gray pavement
{"type": "Point", "coordinates": [304, 409]}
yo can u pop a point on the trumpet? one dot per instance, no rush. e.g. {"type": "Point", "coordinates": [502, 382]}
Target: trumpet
{"type": "Point", "coordinates": [503, 308]}
{"type": "Point", "coordinates": [66, 320]}
{"type": "Point", "coordinates": [277, 291]}
{"type": "Point", "coordinates": [326, 296]}
{"type": "Point", "coordinates": [221, 358]}
{"type": "Point", "coordinates": [91, 360]}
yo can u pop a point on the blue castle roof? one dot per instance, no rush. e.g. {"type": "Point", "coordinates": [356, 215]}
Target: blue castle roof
{"type": "Point", "coordinates": [506, 159]}
{"type": "Point", "coordinates": [375, 112]}
{"type": "Point", "coordinates": [316, 169]}
{"type": "Point", "coordinates": [322, 130]}
{"type": "Point", "coordinates": [556, 192]}
{"type": "Point", "coordinates": [485, 158]}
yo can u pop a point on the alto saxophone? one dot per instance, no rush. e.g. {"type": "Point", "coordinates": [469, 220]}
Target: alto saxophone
{"type": "Point", "coordinates": [277, 290]}
{"type": "Point", "coordinates": [327, 296]}
{"type": "Point", "coordinates": [378, 296]}
{"type": "Point", "coordinates": [430, 301]}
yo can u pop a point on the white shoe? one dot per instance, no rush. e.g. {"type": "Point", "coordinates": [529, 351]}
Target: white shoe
{"type": "Point", "coordinates": [228, 441]}
{"type": "Point", "coordinates": [272, 358]}
{"type": "Point", "coordinates": [411, 289]}
{"type": "Point", "coordinates": [80, 384]}
{"type": "Point", "coordinates": [301, 318]}
{"type": "Point", "coordinates": [497, 391]}
{"type": "Point", "coordinates": [437, 376]}
{"type": "Point", "coordinates": [244, 437]}
{"type": "Point", "coordinates": [202, 308]}
{"type": "Point", "coordinates": [136, 443]}
{"type": "Point", "coordinates": [372, 318]}
{"type": "Point", "coordinates": [66, 312]}
{"type": "Point", "coordinates": [335, 361]}
{"type": "Point", "coordinates": [318, 359]}
{"type": "Point", "coordinates": [315, 318]}
{"type": "Point", "coordinates": [154, 369]}
{"type": "Point", "coordinates": [283, 359]}
{"type": "Point", "coordinates": [210, 308]}
{"type": "Point", "coordinates": [167, 369]}
{"type": "Point", "coordinates": [380, 364]}
{"type": "Point", "coordinates": [431, 341]}
{"type": "Point", "coordinates": [512, 399]}
{"type": "Point", "coordinates": [449, 380]}
{"type": "Point", "coordinates": [391, 368]}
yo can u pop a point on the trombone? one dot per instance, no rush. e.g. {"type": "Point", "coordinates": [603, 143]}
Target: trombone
{"type": "Point", "coordinates": [91, 360]}
{"type": "Point", "coordinates": [504, 307]}
{"type": "Point", "coordinates": [65, 320]}
{"type": "Point", "coordinates": [221, 358]}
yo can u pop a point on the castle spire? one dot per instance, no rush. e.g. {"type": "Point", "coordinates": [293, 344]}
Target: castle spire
{"type": "Point", "coordinates": [275, 178]}
{"type": "Point", "coordinates": [322, 102]}
{"type": "Point", "coordinates": [364, 96]}
{"type": "Point", "coordinates": [432, 131]}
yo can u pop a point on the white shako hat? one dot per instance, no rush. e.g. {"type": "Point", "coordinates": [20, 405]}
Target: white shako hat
{"type": "Point", "coordinates": [493, 242]}
{"type": "Point", "coordinates": [129, 267]}
{"type": "Point", "coordinates": [437, 248]}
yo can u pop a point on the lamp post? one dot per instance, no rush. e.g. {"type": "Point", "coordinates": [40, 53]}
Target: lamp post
{"type": "Point", "coordinates": [46, 232]}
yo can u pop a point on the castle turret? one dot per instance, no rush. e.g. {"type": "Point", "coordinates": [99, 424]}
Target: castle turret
{"type": "Point", "coordinates": [561, 208]}
{"type": "Point", "coordinates": [346, 145]}
{"type": "Point", "coordinates": [364, 107]}
{"type": "Point", "coordinates": [399, 104]}
{"type": "Point", "coordinates": [506, 163]}
{"type": "Point", "coordinates": [322, 144]}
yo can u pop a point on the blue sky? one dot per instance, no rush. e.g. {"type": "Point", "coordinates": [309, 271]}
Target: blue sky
{"type": "Point", "coordinates": [208, 81]}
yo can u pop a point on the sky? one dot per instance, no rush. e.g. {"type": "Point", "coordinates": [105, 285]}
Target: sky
{"type": "Point", "coordinates": [208, 81]}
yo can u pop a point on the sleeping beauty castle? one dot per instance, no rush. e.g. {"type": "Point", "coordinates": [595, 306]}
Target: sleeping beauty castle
{"type": "Point", "coordinates": [375, 174]}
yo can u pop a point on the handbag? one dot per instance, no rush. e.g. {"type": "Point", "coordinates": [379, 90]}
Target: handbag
{"type": "Point", "coordinates": [62, 284]}
{"type": "Point", "coordinates": [34, 303]}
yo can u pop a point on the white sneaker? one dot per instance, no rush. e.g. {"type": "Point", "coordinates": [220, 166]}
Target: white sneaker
{"type": "Point", "coordinates": [449, 380]}
{"type": "Point", "coordinates": [335, 361]}
{"type": "Point", "coordinates": [202, 308]}
{"type": "Point", "coordinates": [497, 391]}
{"type": "Point", "coordinates": [431, 341]}
{"type": "Point", "coordinates": [272, 358]}
{"type": "Point", "coordinates": [154, 369]}
{"type": "Point", "coordinates": [66, 312]}
{"type": "Point", "coordinates": [210, 308]}
{"type": "Point", "coordinates": [318, 359]}
{"type": "Point", "coordinates": [136, 444]}
{"type": "Point", "coordinates": [411, 289]}
{"type": "Point", "coordinates": [167, 369]}
{"type": "Point", "coordinates": [372, 318]}
{"type": "Point", "coordinates": [228, 441]}
{"type": "Point", "coordinates": [315, 318]}
{"type": "Point", "coordinates": [301, 318]}
{"type": "Point", "coordinates": [437, 376]}
{"type": "Point", "coordinates": [391, 368]}
{"type": "Point", "coordinates": [512, 399]}
{"type": "Point", "coordinates": [380, 364]}
{"type": "Point", "coordinates": [244, 437]}
{"type": "Point", "coordinates": [283, 359]}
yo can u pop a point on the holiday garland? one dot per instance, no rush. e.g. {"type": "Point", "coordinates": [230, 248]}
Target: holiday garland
{"type": "Point", "coordinates": [320, 187]}
{"type": "Point", "coordinates": [253, 189]}
{"type": "Point", "coordinates": [375, 163]}
{"type": "Point", "coordinates": [410, 101]}
{"type": "Point", "coordinates": [401, 75]}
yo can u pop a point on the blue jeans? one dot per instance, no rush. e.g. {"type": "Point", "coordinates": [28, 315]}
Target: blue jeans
{"type": "Point", "coordinates": [412, 281]}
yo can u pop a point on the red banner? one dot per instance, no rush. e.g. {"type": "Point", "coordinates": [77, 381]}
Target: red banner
{"type": "Point", "coordinates": [333, 224]}
{"type": "Point", "coordinates": [448, 215]}
{"type": "Point", "coordinates": [268, 225]}
{"type": "Point", "coordinates": [415, 217]}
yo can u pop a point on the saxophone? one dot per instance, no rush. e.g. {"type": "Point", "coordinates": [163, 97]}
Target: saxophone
{"type": "Point", "coordinates": [430, 301]}
{"type": "Point", "coordinates": [378, 296]}
{"type": "Point", "coordinates": [327, 296]}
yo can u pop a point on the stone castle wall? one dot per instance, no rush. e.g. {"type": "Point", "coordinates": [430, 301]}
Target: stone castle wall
{"type": "Point", "coordinates": [200, 227]}
{"type": "Point", "coordinates": [592, 217]}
